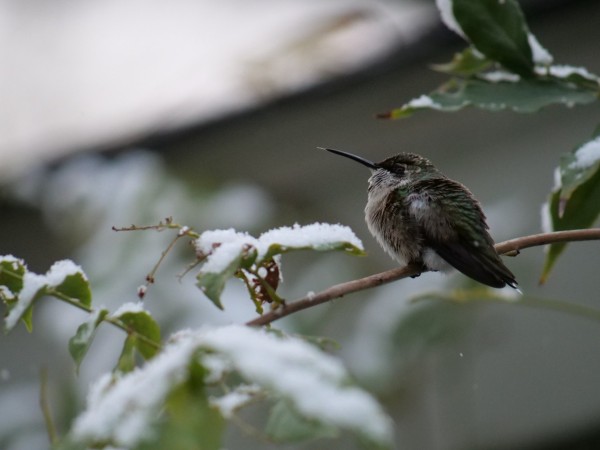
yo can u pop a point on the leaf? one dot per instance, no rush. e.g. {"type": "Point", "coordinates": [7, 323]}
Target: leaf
{"type": "Point", "coordinates": [80, 343]}
{"type": "Point", "coordinates": [77, 287]}
{"type": "Point", "coordinates": [576, 204]}
{"type": "Point", "coordinates": [277, 249]}
{"type": "Point", "coordinates": [213, 283]}
{"type": "Point", "coordinates": [525, 96]}
{"type": "Point", "coordinates": [498, 30]}
{"type": "Point", "coordinates": [126, 362]}
{"type": "Point", "coordinates": [12, 271]}
{"type": "Point", "coordinates": [465, 63]}
{"type": "Point", "coordinates": [285, 425]}
{"type": "Point", "coordinates": [143, 324]}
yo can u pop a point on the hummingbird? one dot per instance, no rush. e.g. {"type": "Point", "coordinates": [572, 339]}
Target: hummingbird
{"type": "Point", "coordinates": [420, 216]}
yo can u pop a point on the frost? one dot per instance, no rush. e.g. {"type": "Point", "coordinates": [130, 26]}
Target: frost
{"type": "Point", "coordinates": [539, 54]}
{"type": "Point", "coordinates": [499, 75]}
{"type": "Point", "coordinates": [587, 155]}
{"type": "Point", "coordinates": [424, 101]}
{"type": "Point", "coordinates": [129, 307]}
{"type": "Point", "coordinates": [446, 11]}
{"type": "Point", "coordinates": [120, 410]}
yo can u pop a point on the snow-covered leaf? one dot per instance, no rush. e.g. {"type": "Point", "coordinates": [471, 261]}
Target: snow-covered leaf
{"type": "Point", "coordinates": [80, 343]}
{"type": "Point", "coordinates": [125, 410]}
{"type": "Point", "coordinates": [225, 252]}
{"type": "Point", "coordinates": [524, 96]}
{"type": "Point", "coordinates": [138, 320]}
{"type": "Point", "coordinates": [314, 384]}
{"type": "Point", "coordinates": [498, 30]}
{"type": "Point", "coordinates": [575, 200]}
{"type": "Point", "coordinates": [64, 278]}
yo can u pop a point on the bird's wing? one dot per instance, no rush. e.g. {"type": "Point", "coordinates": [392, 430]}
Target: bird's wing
{"type": "Point", "coordinates": [454, 226]}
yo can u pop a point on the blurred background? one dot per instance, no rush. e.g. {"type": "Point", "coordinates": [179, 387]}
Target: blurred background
{"type": "Point", "coordinates": [129, 111]}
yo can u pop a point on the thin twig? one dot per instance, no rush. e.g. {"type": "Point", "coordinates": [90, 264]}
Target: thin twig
{"type": "Point", "coordinates": [339, 290]}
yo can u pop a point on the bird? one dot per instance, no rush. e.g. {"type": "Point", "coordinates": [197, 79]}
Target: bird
{"type": "Point", "coordinates": [419, 216]}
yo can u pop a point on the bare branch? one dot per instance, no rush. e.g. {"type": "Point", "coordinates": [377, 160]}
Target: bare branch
{"type": "Point", "coordinates": [339, 290]}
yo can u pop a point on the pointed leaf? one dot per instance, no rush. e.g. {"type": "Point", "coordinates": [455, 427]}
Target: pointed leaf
{"type": "Point", "coordinates": [80, 343]}
{"type": "Point", "coordinates": [498, 30]}
{"type": "Point", "coordinates": [126, 362]}
{"type": "Point", "coordinates": [525, 96]}
{"type": "Point", "coordinates": [77, 287]}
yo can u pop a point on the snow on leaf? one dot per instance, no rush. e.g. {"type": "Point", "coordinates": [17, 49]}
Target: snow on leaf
{"type": "Point", "coordinates": [540, 54]}
{"type": "Point", "coordinates": [447, 13]}
{"type": "Point", "coordinates": [121, 410]}
{"type": "Point", "coordinates": [292, 368]}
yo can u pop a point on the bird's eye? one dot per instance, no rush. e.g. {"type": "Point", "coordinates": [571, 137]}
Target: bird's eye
{"type": "Point", "coordinates": [401, 168]}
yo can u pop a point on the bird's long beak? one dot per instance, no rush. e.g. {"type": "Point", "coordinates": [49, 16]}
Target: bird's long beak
{"type": "Point", "coordinates": [359, 159]}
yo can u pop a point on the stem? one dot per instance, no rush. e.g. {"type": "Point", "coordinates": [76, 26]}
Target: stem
{"type": "Point", "coordinates": [45, 406]}
{"type": "Point", "coordinates": [339, 290]}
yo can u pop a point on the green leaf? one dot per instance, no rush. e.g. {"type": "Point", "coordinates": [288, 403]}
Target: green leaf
{"type": "Point", "coordinates": [277, 249]}
{"type": "Point", "coordinates": [285, 425]}
{"type": "Point", "coordinates": [465, 63]}
{"type": "Point", "coordinates": [77, 287]}
{"type": "Point", "coordinates": [12, 271]}
{"type": "Point", "coordinates": [126, 362]}
{"type": "Point", "coordinates": [498, 30]}
{"type": "Point", "coordinates": [525, 96]}
{"type": "Point", "coordinates": [143, 324]}
{"type": "Point", "coordinates": [213, 283]}
{"type": "Point", "coordinates": [80, 343]}
{"type": "Point", "coordinates": [576, 204]}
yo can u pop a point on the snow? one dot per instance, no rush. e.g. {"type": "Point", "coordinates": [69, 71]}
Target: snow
{"type": "Point", "coordinates": [234, 400]}
{"type": "Point", "coordinates": [224, 246]}
{"type": "Point", "coordinates": [446, 11]}
{"type": "Point", "coordinates": [61, 270]}
{"type": "Point", "coordinates": [424, 101]}
{"type": "Point", "coordinates": [546, 218]}
{"type": "Point", "coordinates": [129, 307]}
{"type": "Point", "coordinates": [121, 410]}
{"type": "Point", "coordinates": [587, 155]}
{"type": "Point", "coordinates": [500, 75]}
{"type": "Point", "coordinates": [563, 71]}
{"type": "Point", "coordinates": [314, 235]}
{"type": "Point", "coordinates": [540, 55]}
{"type": "Point", "coordinates": [294, 369]}
{"type": "Point", "coordinates": [33, 283]}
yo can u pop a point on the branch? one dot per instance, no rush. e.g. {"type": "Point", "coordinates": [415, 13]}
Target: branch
{"type": "Point", "coordinates": [512, 246]}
